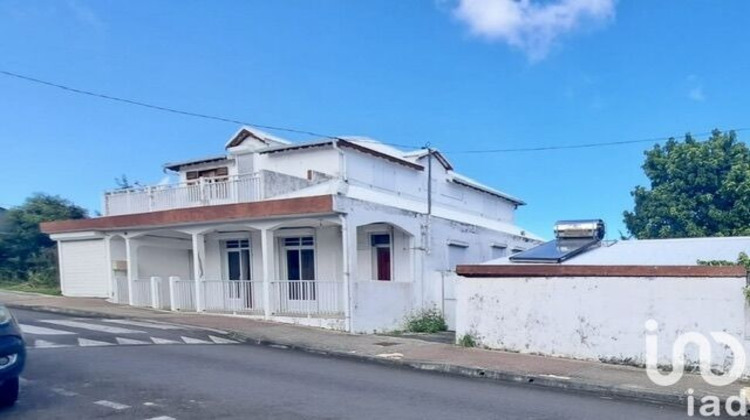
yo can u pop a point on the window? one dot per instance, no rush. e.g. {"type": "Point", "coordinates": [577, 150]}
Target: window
{"type": "Point", "coordinates": [456, 255]}
{"type": "Point", "coordinates": [221, 173]}
{"type": "Point", "coordinates": [499, 251]}
{"type": "Point", "coordinates": [299, 265]}
{"type": "Point", "coordinates": [237, 264]}
{"type": "Point", "coordinates": [381, 256]}
{"type": "Point", "coordinates": [237, 258]}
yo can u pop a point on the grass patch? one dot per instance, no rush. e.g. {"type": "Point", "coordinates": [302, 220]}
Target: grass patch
{"type": "Point", "coordinates": [426, 321]}
{"type": "Point", "coordinates": [29, 287]}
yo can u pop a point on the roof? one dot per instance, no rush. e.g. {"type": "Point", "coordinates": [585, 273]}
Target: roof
{"type": "Point", "coordinates": [370, 147]}
{"type": "Point", "coordinates": [468, 182]}
{"type": "Point", "coordinates": [419, 154]}
{"type": "Point", "coordinates": [175, 166]}
{"type": "Point", "coordinates": [555, 270]}
{"type": "Point", "coordinates": [322, 204]}
{"type": "Point", "coordinates": [673, 252]}
{"type": "Point", "coordinates": [246, 132]}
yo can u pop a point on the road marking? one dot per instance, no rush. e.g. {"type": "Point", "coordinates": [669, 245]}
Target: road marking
{"type": "Point", "coordinates": [43, 344]}
{"type": "Point", "coordinates": [191, 340]}
{"type": "Point", "coordinates": [24, 381]}
{"type": "Point", "coordinates": [111, 404]}
{"type": "Point", "coordinates": [130, 341]}
{"type": "Point", "coordinates": [64, 392]}
{"type": "Point", "coordinates": [33, 329]}
{"type": "Point", "coordinates": [145, 324]}
{"type": "Point", "coordinates": [220, 340]}
{"type": "Point", "coordinates": [93, 327]}
{"type": "Point", "coordinates": [85, 342]}
{"type": "Point", "coordinates": [162, 418]}
{"type": "Point", "coordinates": [158, 340]}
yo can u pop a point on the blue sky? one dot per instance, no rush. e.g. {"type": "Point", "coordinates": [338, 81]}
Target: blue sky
{"type": "Point", "coordinates": [475, 74]}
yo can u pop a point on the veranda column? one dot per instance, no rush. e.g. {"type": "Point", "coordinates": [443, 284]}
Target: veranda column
{"type": "Point", "coordinates": [110, 272]}
{"type": "Point", "coordinates": [199, 258]}
{"type": "Point", "coordinates": [349, 256]}
{"type": "Point", "coordinates": [266, 249]}
{"type": "Point", "coordinates": [131, 252]}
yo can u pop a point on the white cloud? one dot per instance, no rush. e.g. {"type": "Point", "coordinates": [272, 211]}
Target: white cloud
{"type": "Point", "coordinates": [695, 88]}
{"type": "Point", "coordinates": [532, 26]}
{"type": "Point", "coordinates": [84, 14]}
{"type": "Point", "coordinates": [697, 94]}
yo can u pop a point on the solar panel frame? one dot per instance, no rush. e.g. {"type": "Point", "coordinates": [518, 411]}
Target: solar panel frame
{"type": "Point", "coordinates": [557, 250]}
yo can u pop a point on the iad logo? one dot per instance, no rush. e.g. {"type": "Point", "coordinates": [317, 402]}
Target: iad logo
{"type": "Point", "coordinates": [704, 354]}
{"type": "Point", "coordinates": [704, 357]}
{"type": "Point", "coordinates": [710, 405]}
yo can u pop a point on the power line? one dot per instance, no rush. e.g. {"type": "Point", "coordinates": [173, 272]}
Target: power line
{"type": "Point", "coordinates": [182, 112]}
{"type": "Point", "coordinates": [580, 146]}
{"type": "Point", "coordinates": [316, 134]}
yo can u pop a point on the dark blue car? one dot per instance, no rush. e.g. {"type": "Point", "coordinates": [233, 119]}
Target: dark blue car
{"type": "Point", "coordinates": [12, 357]}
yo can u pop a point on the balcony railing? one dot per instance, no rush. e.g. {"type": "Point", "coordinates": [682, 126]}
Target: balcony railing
{"type": "Point", "coordinates": [307, 298]}
{"type": "Point", "coordinates": [201, 192]}
{"type": "Point", "coordinates": [291, 298]}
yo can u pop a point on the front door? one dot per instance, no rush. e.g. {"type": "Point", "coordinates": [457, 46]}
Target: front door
{"type": "Point", "coordinates": [239, 292]}
{"type": "Point", "coordinates": [299, 256]}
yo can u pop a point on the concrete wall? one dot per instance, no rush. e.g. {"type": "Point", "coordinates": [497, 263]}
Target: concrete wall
{"type": "Point", "coordinates": [298, 162]}
{"type": "Point", "coordinates": [163, 262]}
{"type": "Point", "coordinates": [380, 305]}
{"type": "Point", "coordinates": [599, 318]}
{"type": "Point", "coordinates": [275, 184]}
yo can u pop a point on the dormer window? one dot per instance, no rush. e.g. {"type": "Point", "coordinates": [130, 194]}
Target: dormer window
{"type": "Point", "coordinates": [213, 175]}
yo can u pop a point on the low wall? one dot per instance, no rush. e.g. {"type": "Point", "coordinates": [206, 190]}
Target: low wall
{"type": "Point", "coordinates": [600, 318]}
{"type": "Point", "coordinates": [380, 305]}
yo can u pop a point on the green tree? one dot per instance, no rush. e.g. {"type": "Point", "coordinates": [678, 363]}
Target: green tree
{"type": "Point", "coordinates": [25, 252]}
{"type": "Point", "coordinates": [698, 188]}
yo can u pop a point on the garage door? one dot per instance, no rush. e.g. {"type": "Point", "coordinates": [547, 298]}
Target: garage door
{"type": "Point", "coordinates": [84, 268]}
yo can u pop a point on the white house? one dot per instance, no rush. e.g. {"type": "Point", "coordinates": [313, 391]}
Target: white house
{"type": "Point", "coordinates": [344, 233]}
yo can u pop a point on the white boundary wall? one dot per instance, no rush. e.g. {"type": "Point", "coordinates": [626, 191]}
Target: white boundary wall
{"type": "Point", "coordinates": [600, 318]}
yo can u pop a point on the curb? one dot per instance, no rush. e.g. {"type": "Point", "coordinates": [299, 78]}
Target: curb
{"type": "Point", "coordinates": [63, 311]}
{"type": "Point", "coordinates": [538, 381]}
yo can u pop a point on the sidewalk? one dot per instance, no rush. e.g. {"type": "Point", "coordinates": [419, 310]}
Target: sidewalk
{"type": "Point", "coordinates": [581, 376]}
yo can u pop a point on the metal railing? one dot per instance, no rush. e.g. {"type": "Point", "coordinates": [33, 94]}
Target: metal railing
{"type": "Point", "coordinates": [183, 294]}
{"type": "Point", "coordinates": [232, 296]}
{"type": "Point", "coordinates": [142, 292]}
{"type": "Point", "coordinates": [287, 297]}
{"type": "Point", "coordinates": [121, 290]}
{"type": "Point", "coordinates": [307, 297]}
{"type": "Point", "coordinates": [201, 192]}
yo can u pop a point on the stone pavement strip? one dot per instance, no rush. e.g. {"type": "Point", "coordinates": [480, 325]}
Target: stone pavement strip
{"type": "Point", "coordinates": [576, 375]}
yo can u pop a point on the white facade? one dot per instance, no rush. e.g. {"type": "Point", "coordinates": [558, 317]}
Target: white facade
{"type": "Point", "coordinates": [397, 223]}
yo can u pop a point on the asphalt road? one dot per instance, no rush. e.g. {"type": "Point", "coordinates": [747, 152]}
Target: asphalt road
{"type": "Point", "coordinates": [91, 368]}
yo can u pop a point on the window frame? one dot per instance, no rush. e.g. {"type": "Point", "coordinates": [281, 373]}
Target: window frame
{"type": "Point", "coordinates": [374, 271]}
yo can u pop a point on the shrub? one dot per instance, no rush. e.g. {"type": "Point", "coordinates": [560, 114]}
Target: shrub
{"type": "Point", "coordinates": [428, 320]}
{"type": "Point", "coordinates": [467, 340]}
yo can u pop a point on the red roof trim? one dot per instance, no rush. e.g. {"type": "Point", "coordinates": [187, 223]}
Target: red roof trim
{"type": "Point", "coordinates": [321, 204]}
{"type": "Point", "coordinates": [540, 270]}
